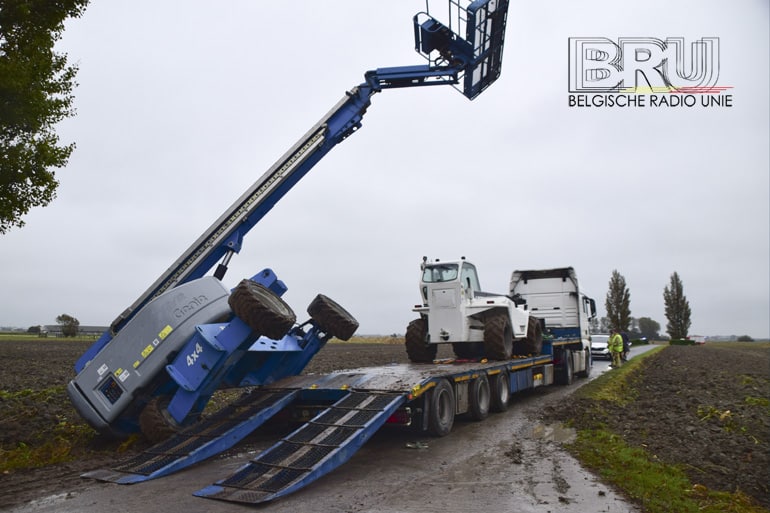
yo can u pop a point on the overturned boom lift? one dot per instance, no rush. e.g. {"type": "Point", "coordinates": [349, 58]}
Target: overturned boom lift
{"type": "Point", "coordinates": [187, 335]}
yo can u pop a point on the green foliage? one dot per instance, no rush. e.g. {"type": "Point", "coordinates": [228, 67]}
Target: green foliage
{"type": "Point", "coordinates": [745, 338]}
{"type": "Point", "coordinates": [649, 328]}
{"type": "Point", "coordinates": [659, 487]}
{"type": "Point", "coordinates": [618, 303]}
{"type": "Point", "coordinates": [681, 342]}
{"type": "Point", "coordinates": [35, 93]}
{"type": "Point", "coordinates": [56, 444]}
{"type": "Point", "coordinates": [69, 325]}
{"type": "Point", "coordinates": [677, 308]}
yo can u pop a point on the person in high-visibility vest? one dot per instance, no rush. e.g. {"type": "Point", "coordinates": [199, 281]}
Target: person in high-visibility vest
{"type": "Point", "coordinates": [615, 345]}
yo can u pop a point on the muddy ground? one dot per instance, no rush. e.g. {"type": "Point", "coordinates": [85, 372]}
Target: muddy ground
{"type": "Point", "coordinates": [704, 407]}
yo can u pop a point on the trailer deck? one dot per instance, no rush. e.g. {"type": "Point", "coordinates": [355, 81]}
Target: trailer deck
{"type": "Point", "coordinates": [351, 406]}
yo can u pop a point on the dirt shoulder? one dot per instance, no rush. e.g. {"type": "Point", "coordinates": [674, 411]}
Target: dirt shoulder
{"type": "Point", "coordinates": [705, 409]}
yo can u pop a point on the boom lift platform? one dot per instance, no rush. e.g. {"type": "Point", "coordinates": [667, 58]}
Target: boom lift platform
{"type": "Point", "coordinates": [187, 335]}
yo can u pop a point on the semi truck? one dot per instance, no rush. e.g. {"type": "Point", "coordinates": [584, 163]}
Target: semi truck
{"type": "Point", "coordinates": [337, 413]}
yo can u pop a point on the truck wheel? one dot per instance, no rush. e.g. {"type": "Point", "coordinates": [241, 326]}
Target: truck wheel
{"type": "Point", "coordinates": [501, 392]}
{"type": "Point", "coordinates": [263, 311]}
{"type": "Point", "coordinates": [565, 373]}
{"type": "Point", "coordinates": [417, 347]}
{"type": "Point", "coordinates": [442, 409]}
{"type": "Point", "coordinates": [332, 318]}
{"type": "Point", "coordinates": [155, 424]}
{"type": "Point", "coordinates": [533, 344]}
{"type": "Point", "coordinates": [479, 398]}
{"type": "Point", "coordinates": [498, 337]}
{"type": "Point", "coordinates": [589, 363]}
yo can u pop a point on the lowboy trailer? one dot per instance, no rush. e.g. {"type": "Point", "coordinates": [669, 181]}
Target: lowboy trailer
{"type": "Point", "coordinates": [349, 407]}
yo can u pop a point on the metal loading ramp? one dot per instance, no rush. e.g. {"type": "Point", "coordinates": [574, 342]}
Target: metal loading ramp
{"type": "Point", "coordinates": [202, 440]}
{"type": "Point", "coordinates": [319, 446]}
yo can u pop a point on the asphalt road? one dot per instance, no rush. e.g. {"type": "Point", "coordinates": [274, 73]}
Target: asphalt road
{"type": "Point", "coordinates": [509, 462]}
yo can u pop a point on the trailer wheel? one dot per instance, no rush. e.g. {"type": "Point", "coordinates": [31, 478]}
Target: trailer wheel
{"type": "Point", "coordinates": [565, 375]}
{"type": "Point", "coordinates": [155, 423]}
{"type": "Point", "coordinates": [480, 396]}
{"type": "Point", "coordinates": [416, 340]}
{"type": "Point", "coordinates": [442, 409]}
{"type": "Point", "coordinates": [533, 344]}
{"type": "Point", "coordinates": [332, 318]}
{"type": "Point", "coordinates": [498, 337]}
{"type": "Point", "coordinates": [501, 392]}
{"type": "Point", "coordinates": [263, 311]}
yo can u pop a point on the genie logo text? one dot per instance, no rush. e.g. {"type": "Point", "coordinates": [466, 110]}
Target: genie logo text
{"type": "Point", "coordinates": [645, 72]}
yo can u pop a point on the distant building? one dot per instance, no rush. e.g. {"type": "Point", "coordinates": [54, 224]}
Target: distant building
{"type": "Point", "coordinates": [55, 330]}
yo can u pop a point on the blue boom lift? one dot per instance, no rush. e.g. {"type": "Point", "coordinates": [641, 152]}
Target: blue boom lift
{"type": "Point", "coordinates": [187, 335]}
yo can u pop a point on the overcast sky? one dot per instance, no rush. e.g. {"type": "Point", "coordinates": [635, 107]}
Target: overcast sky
{"type": "Point", "coordinates": [182, 105]}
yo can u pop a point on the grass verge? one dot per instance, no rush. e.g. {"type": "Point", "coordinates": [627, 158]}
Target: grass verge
{"type": "Point", "coordinates": [659, 487]}
{"type": "Point", "coordinates": [57, 443]}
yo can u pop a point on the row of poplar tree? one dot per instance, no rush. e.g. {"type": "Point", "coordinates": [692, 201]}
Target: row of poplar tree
{"type": "Point", "coordinates": [677, 308]}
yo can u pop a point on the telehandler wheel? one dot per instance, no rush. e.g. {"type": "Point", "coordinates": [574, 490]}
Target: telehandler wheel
{"type": "Point", "coordinates": [441, 411]}
{"type": "Point", "coordinates": [498, 337]}
{"type": "Point", "coordinates": [479, 398]}
{"type": "Point", "coordinates": [263, 311]}
{"type": "Point", "coordinates": [155, 423]}
{"type": "Point", "coordinates": [533, 344]}
{"type": "Point", "coordinates": [416, 340]}
{"type": "Point", "coordinates": [501, 392]}
{"type": "Point", "coordinates": [332, 318]}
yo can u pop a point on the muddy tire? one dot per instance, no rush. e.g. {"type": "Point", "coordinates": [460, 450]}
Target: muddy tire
{"type": "Point", "coordinates": [479, 397]}
{"type": "Point", "coordinates": [498, 337]}
{"type": "Point", "coordinates": [416, 340]}
{"type": "Point", "coordinates": [441, 411]}
{"type": "Point", "coordinates": [332, 318]}
{"type": "Point", "coordinates": [263, 311]}
{"type": "Point", "coordinates": [155, 423]}
{"type": "Point", "coordinates": [533, 344]}
{"type": "Point", "coordinates": [500, 386]}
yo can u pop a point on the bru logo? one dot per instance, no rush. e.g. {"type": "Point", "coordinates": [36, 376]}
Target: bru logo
{"type": "Point", "coordinates": [643, 65]}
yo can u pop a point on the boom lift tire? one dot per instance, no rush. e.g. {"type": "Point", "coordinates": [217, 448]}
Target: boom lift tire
{"type": "Point", "coordinates": [263, 311]}
{"type": "Point", "coordinates": [441, 413]}
{"type": "Point", "coordinates": [154, 423]}
{"type": "Point", "coordinates": [332, 318]}
{"type": "Point", "coordinates": [480, 397]}
{"type": "Point", "coordinates": [498, 337]}
{"type": "Point", "coordinates": [500, 385]}
{"type": "Point", "coordinates": [533, 344]}
{"type": "Point", "coordinates": [416, 340]}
